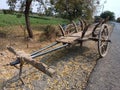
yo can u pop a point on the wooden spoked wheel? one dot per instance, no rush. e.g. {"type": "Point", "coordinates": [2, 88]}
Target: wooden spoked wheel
{"type": "Point", "coordinates": [103, 40]}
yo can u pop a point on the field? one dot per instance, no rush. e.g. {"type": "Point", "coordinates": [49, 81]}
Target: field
{"type": "Point", "coordinates": [8, 20]}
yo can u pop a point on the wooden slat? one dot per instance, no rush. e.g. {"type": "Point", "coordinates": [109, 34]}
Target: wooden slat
{"type": "Point", "coordinates": [73, 37]}
{"type": "Point", "coordinates": [67, 39]}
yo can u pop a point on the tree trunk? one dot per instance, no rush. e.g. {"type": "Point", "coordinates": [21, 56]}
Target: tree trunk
{"type": "Point", "coordinates": [27, 19]}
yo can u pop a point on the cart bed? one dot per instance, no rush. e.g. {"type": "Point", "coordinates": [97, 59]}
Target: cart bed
{"type": "Point", "coordinates": [73, 37]}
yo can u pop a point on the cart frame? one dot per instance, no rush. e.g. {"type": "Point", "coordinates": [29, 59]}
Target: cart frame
{"type": "Point", "coordinates": [72, 34]}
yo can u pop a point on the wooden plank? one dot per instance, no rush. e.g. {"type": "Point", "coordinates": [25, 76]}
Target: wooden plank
{"type": "Point", "coordinates": [67, 39]}
{"type": "Point", "coordinates": [38, 65]}
{"type": "Point", "coordinates": [73, 37]}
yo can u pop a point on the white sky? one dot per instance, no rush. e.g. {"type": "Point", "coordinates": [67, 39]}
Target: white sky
{"type": "Point", "coordinates": [3, 4]}
{"type": "Point", "coordinates": [111, 5]}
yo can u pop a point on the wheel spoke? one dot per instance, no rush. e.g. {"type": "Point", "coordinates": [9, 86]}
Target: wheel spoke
{"type": "Point", "coordinates": [104, 48]}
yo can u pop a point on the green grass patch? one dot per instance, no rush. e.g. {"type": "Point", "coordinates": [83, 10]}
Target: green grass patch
{"type": "Point", "coordinates": [8, 20]}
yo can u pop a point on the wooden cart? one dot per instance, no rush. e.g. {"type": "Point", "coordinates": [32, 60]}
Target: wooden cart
{"type": "Point", "coordinates": [71, 34]}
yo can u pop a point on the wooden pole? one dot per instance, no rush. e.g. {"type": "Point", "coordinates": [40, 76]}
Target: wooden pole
{"type": "Point", "coordinates": [27, 58]}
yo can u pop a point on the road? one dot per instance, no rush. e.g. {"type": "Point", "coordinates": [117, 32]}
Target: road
{"type": "Point", "coordinates": [106, 75]}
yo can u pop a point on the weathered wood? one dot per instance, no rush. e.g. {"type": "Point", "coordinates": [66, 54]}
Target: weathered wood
{"type": "Point", "coordinates": [73, 37]}
{"type": "Point", "coordinates": [38, 65]}
{"type": "Point", "coordinates": [62, 30]}
{"type": "Point", "coordinates": [82, 25]}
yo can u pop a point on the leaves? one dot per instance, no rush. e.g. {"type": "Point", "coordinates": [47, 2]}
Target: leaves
{"type": "Point", "coordinates": [73, 9]}
{"type": "Point", "coordinates": [105, 14]}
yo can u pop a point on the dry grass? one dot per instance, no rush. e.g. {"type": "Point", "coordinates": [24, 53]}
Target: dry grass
{"type": "Point", "coordinates": [16, 36]}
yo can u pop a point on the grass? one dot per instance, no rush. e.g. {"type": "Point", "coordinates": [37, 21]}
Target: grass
{"type": "Point", "coordinates": [8, 20]}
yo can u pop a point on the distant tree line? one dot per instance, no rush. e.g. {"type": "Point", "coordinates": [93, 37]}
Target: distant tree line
{"type": "Point", "coordinates": [118, 20]}
{"type": "Point", "coordinates": [104, 15]}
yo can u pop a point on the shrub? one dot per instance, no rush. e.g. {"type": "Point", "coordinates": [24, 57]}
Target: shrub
{"type": "Point", "coordinates": [7, 11]}
{"type": "Point", "coordinates": [50, 33]}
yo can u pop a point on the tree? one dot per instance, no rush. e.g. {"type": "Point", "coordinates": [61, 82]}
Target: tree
{"type": "Point", "coordinates": [27, 19]}
{"type": "Point", "coordinates": [118, 19]}
{"type": "Point", "coordinates": [11, 3]}
{"type": "Point", "coordinates": [72, 9]}
{"type": "Point", "coordinates": [105, 14]}
{"type": "Point", "coordinates": [25, 6]}
{"type": "Point", "coordinates": [49, 12]}
{"type": "Point", "coordinates": [66, 8]}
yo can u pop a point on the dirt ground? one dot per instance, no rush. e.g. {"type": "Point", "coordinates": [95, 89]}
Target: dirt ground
{"type": "Point", "coordinates": [73, 66]}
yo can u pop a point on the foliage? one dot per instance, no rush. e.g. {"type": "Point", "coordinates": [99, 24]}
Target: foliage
{"type": "Point", "coordinates": [21, 4]}
{"type": "Point", "coordinates": [118, 19]}
{"type": "Point", "coordinates": [66, 8]}
{"type": "Point", "coordinates": [12, 4]}
{"type": "Point", "coordinates": [7, 11]}
{"type": "Point", "coordinates": [97, 19]}
{"type": "Point", "coordinates": [49, 12]}
{"type": "Point", "coordinates": [105, 14]}
{"type": "Point", "coordinates": [50, 33]}
{"type": "Point", "coordinates": [25, 6]}
{"type": "Point", "coordinates": [72, 9]}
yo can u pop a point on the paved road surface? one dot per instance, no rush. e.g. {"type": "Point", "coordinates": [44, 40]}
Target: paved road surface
{"type": "Point", "coordinates": [106, 75]}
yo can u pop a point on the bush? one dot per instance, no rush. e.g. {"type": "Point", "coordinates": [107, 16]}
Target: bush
{"type": "Point", "coordinates": [50, 33]}
{"type": "Point", "coordinates": [8, 11]}
{"type": "Point", "coordinates": [19, 15]}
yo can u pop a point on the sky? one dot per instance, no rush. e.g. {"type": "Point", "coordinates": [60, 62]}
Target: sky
{"type": "Point", "coordinates": [111, 5]}
{"type": "Point", "coordinates": [3, 4]}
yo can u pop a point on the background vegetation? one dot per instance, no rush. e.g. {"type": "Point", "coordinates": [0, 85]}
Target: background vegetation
{"type": "Point", "coordinates": [8, 20]}
{"type": "Point", "coordinates": [108, 13]}
{"type": "Point", "coordinates": [118, 19]}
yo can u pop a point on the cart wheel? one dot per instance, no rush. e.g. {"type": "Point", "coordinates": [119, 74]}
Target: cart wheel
{"type": "Point", "coordinates": [103, 40]}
